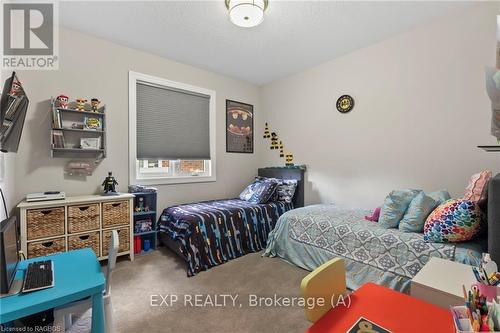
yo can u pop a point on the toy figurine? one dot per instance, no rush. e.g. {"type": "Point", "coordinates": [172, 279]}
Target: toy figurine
{"type": "Point", "coordinates": [289, 160]}
{"type": "Point", "coordinates": [62, 101]}
{"type": "Point", "coordinates": [94, 104]}
{"type": "Point", "coordinates": [16, 87]}
{"type": "Point", "coordinates": [80, 104]}
{"type": "Point", "coordinates": [109, 184]}
{"type": "Point", "coordinates": [267, 135]}
{"type": "Point", "coordinates": [140, 205]}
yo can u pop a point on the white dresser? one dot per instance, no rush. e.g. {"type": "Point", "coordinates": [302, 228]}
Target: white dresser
{"type": "Point", "coordinates": [77, 222]}
{"type": "Point", "coordinates": [440, 282]}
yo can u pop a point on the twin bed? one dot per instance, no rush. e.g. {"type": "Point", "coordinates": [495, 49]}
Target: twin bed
{"type": "Point", "coordinates": [210, 233]}
{"type": "Point", "coordinates": [207, 234]}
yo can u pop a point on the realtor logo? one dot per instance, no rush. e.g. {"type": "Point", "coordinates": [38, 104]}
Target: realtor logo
{"type": "Point", "coordinates": [29, 35]}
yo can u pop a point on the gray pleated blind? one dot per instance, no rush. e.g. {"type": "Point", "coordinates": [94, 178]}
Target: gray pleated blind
{"type": "Point", "coordinates": [172, 124]}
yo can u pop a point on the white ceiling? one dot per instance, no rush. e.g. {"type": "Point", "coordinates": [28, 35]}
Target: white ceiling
{"type": "Point", "coordinates": [294, 36]}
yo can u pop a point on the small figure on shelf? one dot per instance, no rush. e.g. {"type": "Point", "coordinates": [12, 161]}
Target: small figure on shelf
{"type": "Point", "coordinates": [140, 205]}
{"type": "Point", "coordinates": [80, 104]}
{"type": "Point", "coordinates": [109, 184]}
{"type": "Point", "coordinates": [94, 104]}
{"type": "Point", "coordinates": [62, 101]}
{"type": "Point", "coordinates": [16, 87]}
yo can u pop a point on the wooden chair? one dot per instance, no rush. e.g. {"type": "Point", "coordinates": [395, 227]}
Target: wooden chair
{"type": "Point", "coordinates": [63, 314]}
{"type": "Point", "coordinates": [326, 282]}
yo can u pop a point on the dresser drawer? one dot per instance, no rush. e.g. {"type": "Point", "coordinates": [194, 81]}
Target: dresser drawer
{"type": "Point", "coordinates": [83, 218]}
{"type": "Point", "coordinates": [46, 222]}
{"type": "Point", "coordinates": [123, 236]}
{"type": "Point", "coordinates": [43, 248]}
{"type": "Point", "coordinates": [115, 213]}
{"type": "Point", "coordinates": [91, 240]}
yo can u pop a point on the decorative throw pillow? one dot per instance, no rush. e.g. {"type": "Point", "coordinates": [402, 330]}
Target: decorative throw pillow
{"type": "Point", "coordinates": [456, 220]}
{"type": "Point", "coordinates": [440, 196]}
{"type": "Point", "coordinates": [285, 190]}
{"type": "Point", "coordinates": [395, 206]}
{"type": "Point", "coordinates": [477, 189]}
{"type": "Point", "coordinates": [259, 191]}
{"type": "Point", "coordinates": [418, 211]}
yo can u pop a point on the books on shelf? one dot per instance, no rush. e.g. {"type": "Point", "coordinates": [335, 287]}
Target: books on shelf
{"type": "Point", "coordinates": [56, 118]}
{"type": "Point", "coordinates": [58, 139]}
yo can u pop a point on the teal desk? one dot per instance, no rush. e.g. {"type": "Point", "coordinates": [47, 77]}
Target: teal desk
{"type": "Point", "coordinates": [77, 275]}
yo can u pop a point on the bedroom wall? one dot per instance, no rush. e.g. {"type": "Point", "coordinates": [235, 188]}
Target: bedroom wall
{"type": "Point", "coordinates": [7, 175]}
{"type": "Point", "coordinates": [421, 109]}
{"type": "Point", "coordinates": [92, 67]}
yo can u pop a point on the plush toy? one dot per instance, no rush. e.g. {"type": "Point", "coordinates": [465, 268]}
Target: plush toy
{"type": "Point", "coordinates": [62, 101]}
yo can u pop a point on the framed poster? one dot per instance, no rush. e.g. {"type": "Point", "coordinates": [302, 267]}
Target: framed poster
{"type": "Point", "coordinates": [239, 127]}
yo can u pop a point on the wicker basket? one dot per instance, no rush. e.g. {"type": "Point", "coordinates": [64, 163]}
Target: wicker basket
{"type": "Point", "coordinates": [83, 218]}
{"type": "Point", "coordinates": [123, 236]}
{"type": "Point", "coordinates": [91, 240]}
{"type": "Point", "coordinates": [115, 213]}
{"type": "Point", "coordinates": [43, 248]}
{"type": "Point", "coordinates": [46, 222]}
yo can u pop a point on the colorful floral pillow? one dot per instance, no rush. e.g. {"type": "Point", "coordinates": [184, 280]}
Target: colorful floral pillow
{"type": "Point", "coordinates": [285, 190]}
{"type": "Point", "coordinates": [260, 191]}
{"type": "Point", "coordinates": [456, 220]}
{"type": "Point", "coordinates": [477, 189]}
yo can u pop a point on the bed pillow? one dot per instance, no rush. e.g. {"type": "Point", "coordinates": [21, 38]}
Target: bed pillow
{"type": "Point", "coordinates": [285, 190]}
{"type": "Point", "coordinates": [259, 191]}
{"type": "Point", "coordinates": [418, 211]}
{"type": "Point", "coordinates": [395, 206]}
{"type": "Point", "coordinates": [456, 220]}
{"type": "Point", "coordinates": [477, 189]}
{"type": "Point", "coordinates": [440, 196]}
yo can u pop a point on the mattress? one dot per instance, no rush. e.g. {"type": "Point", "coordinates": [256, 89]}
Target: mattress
{"type": "Point", "coordinates": [213, 232]}
{"type": "Point", "coordinates": [309, 236]}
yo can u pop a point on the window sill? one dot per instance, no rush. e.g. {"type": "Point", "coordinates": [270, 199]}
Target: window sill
{"type": "Point", "coordinates": [174, 180]}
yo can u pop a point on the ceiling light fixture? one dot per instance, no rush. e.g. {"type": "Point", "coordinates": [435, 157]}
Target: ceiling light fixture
{"type": "Point", "coordinates": [246, 13]}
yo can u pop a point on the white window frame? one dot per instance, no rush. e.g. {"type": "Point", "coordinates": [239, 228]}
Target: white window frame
{"type": "Point", "coordinates": [134, 177]}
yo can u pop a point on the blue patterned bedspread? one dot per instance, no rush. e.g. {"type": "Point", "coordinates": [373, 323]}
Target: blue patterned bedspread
{"type": "Point", "coordinates": [211, 233]}
{"type": "Point", "coordinates": [309, 236]}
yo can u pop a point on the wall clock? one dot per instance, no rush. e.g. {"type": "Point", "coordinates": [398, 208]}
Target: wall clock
{"type": "Point", "coordinates": [345, 103]}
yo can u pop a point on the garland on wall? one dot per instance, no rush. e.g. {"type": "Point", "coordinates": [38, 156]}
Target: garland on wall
{"type": "Point", "coordinates": [277, 144]}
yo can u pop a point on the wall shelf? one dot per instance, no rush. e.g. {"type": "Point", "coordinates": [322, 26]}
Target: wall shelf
{"type": "Point", "coordinates": [65, 140]}
{"type": "Point", "coordinates": [490, 149]}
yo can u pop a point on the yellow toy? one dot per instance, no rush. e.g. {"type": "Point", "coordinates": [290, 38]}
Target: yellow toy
{"type": "Point", "coordinates": [80, 104]}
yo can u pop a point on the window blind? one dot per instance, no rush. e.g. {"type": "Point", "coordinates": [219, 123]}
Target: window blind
{"type": "Point", "coordinates": [172, 124]}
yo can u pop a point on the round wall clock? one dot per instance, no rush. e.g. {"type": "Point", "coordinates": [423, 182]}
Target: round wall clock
{"type": "Point", "coordinates": [345, 103]}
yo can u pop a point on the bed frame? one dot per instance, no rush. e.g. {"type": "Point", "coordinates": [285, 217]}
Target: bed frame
{"type": "Point", "coordinates": [273, 172]}
{"type": "Point", "coordinates": [494, 218]}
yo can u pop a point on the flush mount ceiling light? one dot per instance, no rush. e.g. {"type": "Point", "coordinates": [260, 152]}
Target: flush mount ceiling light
{"type": "Point", "coordinates": [246, 13]}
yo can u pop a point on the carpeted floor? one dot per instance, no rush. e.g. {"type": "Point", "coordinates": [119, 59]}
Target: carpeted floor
{"type": "Point", "coordinates": [162, 273]}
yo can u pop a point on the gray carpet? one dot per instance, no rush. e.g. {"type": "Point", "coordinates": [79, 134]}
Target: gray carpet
{"type": "Point", "coordinates": [163, 273]}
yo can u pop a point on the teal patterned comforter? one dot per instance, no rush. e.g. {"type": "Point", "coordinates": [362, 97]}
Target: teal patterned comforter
{"type": "Point", "coordinates": [309, 236]}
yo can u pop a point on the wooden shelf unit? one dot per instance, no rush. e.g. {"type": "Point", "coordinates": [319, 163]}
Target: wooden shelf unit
{"type": "Point", "coordinates": [80, 201]}
{"type": "Point", "coordinates": [73, 135]}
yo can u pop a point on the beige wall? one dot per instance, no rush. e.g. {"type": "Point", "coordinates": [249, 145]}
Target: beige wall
{"type": "Point", "coordinates": [421, 109]}
{"type": "Point", "coordinates": [7, 175]}
{"type": "Point", "coordinates": [91, 67]}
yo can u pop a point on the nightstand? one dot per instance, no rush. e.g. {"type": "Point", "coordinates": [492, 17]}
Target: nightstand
{"type": "Point", "coordinates": [440, 282]}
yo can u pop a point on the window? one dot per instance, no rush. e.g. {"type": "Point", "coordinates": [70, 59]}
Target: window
{"type": "Point", "coordinates": [171, 130]}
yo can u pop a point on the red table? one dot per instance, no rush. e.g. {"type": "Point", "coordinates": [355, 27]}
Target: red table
{"type": "Point", "coordinates": [390, 309]}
